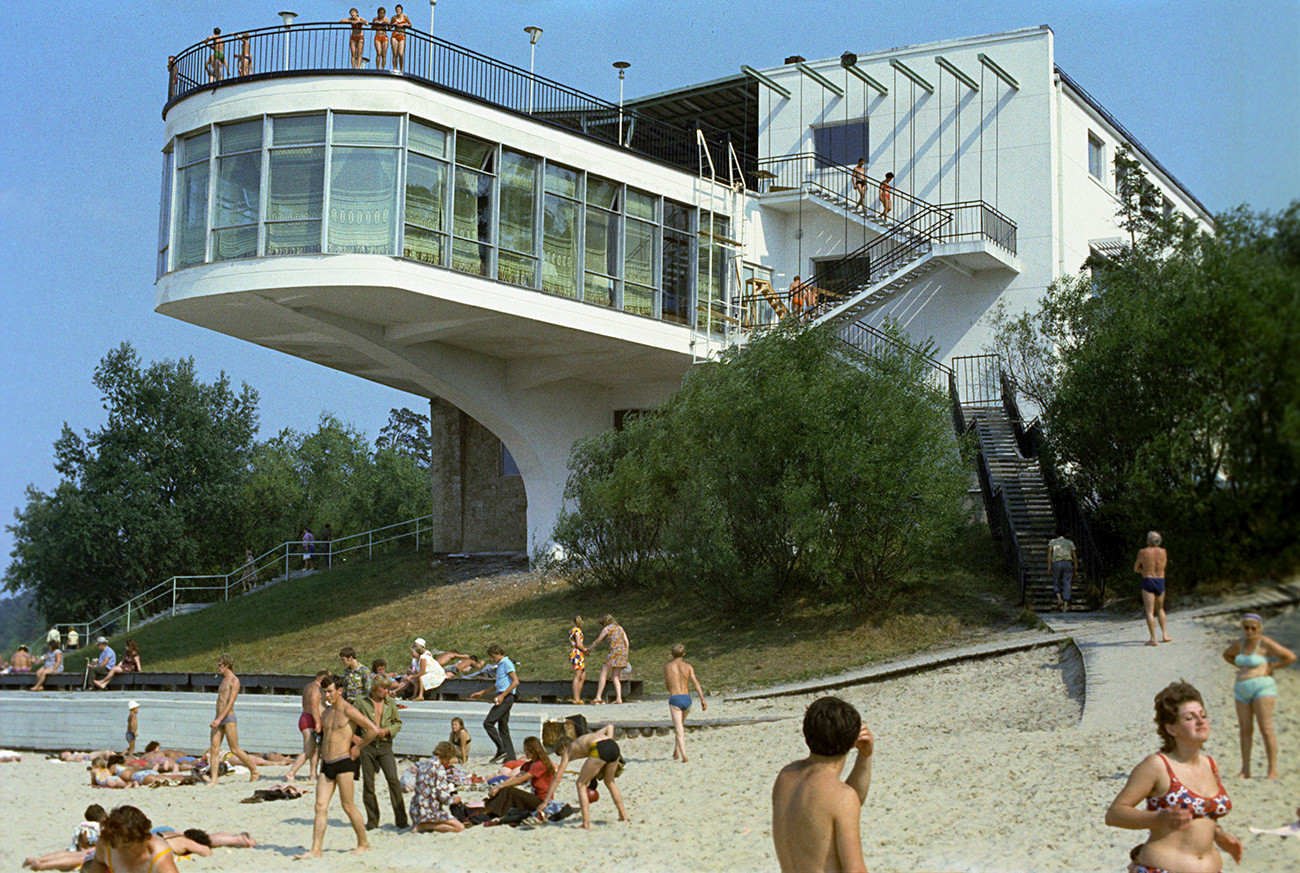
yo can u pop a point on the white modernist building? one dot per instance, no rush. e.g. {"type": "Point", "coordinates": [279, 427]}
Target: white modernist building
{"type": "Point", "coordinates": [538, 261]}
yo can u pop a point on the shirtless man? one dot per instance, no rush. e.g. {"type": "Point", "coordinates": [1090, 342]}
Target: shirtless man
{"type": "Point", "coordinates": [860, 181]}
{"type": "Point", "coordinates": [677, 675]}
{"type": "Point", "coordinates": [340, 754]}
{"type": "Point", "coordinates": [309, 727]}
{"type": "Point", "coordinates": [1150, 565]}
{"type": "Point", "coordinates": [217, 60]}
{"type": "Point", "coordinates": [815, 816]}
{"type": "Point", "coordinates": [225, 724]}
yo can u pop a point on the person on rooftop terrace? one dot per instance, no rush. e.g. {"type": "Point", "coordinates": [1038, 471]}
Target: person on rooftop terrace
{"type": "Point", "coordinates": [217, 65]}
{"type": "Point", "coordinates": [380, 23]}
{"type": "Point", "coordinates": [357, 42]}
{"type": "Point", "coordinates": [245, 54]}
{"type": "Point", "coordinates": [399, 23]}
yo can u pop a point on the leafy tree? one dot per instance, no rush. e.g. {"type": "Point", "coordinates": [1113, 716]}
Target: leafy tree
{"type": "Point", "coordinates": [407, 432]}
{"type": "Point", "coordinates": [152, 493]}
{"type": "Point", "coordinates": [789, 469]}
{"type": "Point", "coordinates": [1174, 393]}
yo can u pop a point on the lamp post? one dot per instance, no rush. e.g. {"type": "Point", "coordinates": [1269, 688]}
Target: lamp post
{"type": "Point", "coordinates": [534, 34]}
{"type": "Point", "coordinates": [621, 66]}
{"type": "Point", "coordinates": [287, 18]}
{"type": "Point", "coordinates": [428, 61]}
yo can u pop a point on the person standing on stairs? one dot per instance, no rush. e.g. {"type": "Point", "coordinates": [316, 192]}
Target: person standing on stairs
{"type": "Point", "coordinates": [1064, 561]}
{"type": "Point", "coordinates": [1150, 565]}
{"type": "Point", "coordinates": [886, 197]}
{"type": "Point", "coordinates": [860, 181]}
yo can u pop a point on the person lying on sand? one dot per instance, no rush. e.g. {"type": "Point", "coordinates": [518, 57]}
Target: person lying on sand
{"type": "Point", "coordinates": [192, 841]}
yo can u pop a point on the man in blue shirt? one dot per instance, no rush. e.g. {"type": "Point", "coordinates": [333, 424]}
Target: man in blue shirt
{"type": "Point", "coordinates": [497, 723]}
{"type": "Point", "coordinates": [100, 667]}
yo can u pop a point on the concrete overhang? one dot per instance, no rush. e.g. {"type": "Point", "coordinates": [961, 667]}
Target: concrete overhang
{"type": "Point", "coordinates": [390, 320]}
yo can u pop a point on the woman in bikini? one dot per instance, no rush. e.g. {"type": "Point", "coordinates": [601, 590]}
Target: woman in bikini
{"type": "Point", "coordinates": [127, 844]}
{"type": "Point", "coordinates": [380, 24]}
{"type": "Point", "coordinates": [600, 759]}
{"type": "Point", "coordinates": [460, 739]}
{"type": "Point", "coordinates": [399, 22]}
{"type": "Point", "coordinates": [1256, 657]}
{"type": "Point", "coordinates": [1184, 796]}
{"type": "Point", "coordinates": [357, 42]}
{"type": "Point", "coordinates": [245, 54]}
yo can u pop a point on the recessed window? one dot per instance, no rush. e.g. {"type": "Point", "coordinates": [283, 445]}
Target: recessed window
{"type": "Point", "coordinates": [1096, 158]}
{"type": "Point", "coordinates": [842, 143]}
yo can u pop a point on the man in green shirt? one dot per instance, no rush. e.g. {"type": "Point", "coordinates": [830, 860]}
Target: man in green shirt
{"type": "Point", "coordinates": [1064, 561]}
{"type": "Point", "coordinates": [383, 712]}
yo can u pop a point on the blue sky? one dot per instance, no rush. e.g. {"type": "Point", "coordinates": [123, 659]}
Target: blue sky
{"type": "Point", "coordinates": [1209, 87]}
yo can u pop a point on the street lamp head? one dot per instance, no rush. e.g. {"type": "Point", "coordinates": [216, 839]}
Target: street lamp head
{"type": "Point", "coordinates": [534, 34]}
{"type": "Point", "coordinates": [621, 66]}
{"type": "Point", "coordinates": [848, 59]}
{"type": "Point", "coordinates": [288, 17]}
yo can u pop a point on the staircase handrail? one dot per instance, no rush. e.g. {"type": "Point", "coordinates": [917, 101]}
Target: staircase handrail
{"type": "Point", "coordinates": [884, 255]}
{"type": "Point", "coordinates": [1069, 510]}
{"type": "Point", "coordinates": [864, 338]}
{"type": "Point", "coordinates": [141, 603]}
{"type": "Point", "coordinates": [1000, 521]}
{"type": "Point", "coordinates": [797, 170]}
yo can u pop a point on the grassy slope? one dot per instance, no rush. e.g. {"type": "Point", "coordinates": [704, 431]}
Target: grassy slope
{"type": "Point", "coordinates": [379, 606]}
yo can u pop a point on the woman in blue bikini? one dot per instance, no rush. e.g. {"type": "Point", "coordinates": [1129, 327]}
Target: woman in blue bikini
{"type": "Point", "coordinates": [1256, 657]}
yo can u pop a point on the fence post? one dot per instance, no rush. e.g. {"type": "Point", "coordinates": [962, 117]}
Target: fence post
{"type": "Point", "coordinates": [417, 535]}
{"type": "Point", "coordinates": [173, 597]}
{"type": "Point", "coordinates": [370, 547]}
{"type": "Point", "coordinates": [128, 616]}
{"type": "Point", "coordinates": [286, 562]}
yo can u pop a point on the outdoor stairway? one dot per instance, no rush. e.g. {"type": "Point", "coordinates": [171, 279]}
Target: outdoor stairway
{"type": "Point", "coordinates": [867, 297]}
{"type": "Point", "coordinates": [1030, 504]}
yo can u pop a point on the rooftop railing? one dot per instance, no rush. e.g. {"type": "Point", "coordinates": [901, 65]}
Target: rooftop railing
{"type": "Point", "coordinates": [325, 49]}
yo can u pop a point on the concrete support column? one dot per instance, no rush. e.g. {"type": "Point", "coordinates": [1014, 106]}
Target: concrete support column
{"type": "Point", "coordinates": [446, 476]}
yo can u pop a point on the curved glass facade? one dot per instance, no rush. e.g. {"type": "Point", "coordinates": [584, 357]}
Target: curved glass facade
{"type": "Point", "coordinates": [341, 182]}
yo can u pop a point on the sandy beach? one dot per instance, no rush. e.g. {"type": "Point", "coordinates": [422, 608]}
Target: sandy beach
{"type": "Point", "coordinates": [983, 766]}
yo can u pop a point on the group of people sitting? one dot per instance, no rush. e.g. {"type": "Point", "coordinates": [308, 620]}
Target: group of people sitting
{"type": "Point", "coordinates": [427, 671]}
{"type": "Point", "coordinates": [99, 671]}
{"type": "Point", "coordinates": [127, 835]}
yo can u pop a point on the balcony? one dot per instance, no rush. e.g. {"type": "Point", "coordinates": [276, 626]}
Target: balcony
{"type": "Point", "coordinates": [323, 49]}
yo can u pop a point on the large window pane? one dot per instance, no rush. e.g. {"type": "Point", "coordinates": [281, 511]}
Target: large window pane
{"type": "Point", "coordinates": [293, 238]}
{"type": "Point", "coordinates": [638, 299]}
{"type": "Point", "coordinates": [298, 130]}
{"type": "Point", "coordinates": [426, 190]}
{"type": "Point", "coordinates": [602, 239]}
{"type": "Point", "coordinates": [712, 284]}
{"type": "Point", "coordinates": [677, 216]}
{"type": "Point", "coordinates": [471, 257]}
{"type": "Point", "coordinates": [419, 244]}
{"type": "Point", "coordinates": [472, 217]}
{"type": "Point", "coordinates": [297, 184]}
{"type": "Point", "coordinates": [380, 130]}
{"type": "Point", "coordinates": [561, 180]}
{"type": "Point", "coordinates": [475, 153]}
{"type": "Point", "coordinates": [517, 269]}
{"type": "Point", "coordinates": [677, 278]}
{"type": "Point", "coordinates": [363, 200]}
{"type": "Point", "coordinates": [232, 243]}
{"type": "Point", "coordinates": [191, 214]}
{"type": "Point", "coordinates": [599, 290]}
{"type": "Point", "coordinates": [641, 205]}
{"type": "Point", "coordinates": [425, 138]}
{"type": "Point", "coordinates": [239, 185]}
{"type": "Point", "coordinates": [639, 261]}
{"type": "Point", "coordinates": [243, 137]}
{"type": "Point", "coordinates": [560, 246]}
{"type": "Point", "coordinates": [165, 213]}
{"type": "Point", "coordinates": [602, 192]}
{"type": "Point", "coordinates": [518, 195]}
{"type": "Point", "coordinates": [195, 148]}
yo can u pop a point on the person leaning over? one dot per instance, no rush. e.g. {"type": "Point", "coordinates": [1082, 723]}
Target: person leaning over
{"type": "Point", "coordinates": [1063, 558]}
{"type": "Point", "coordinates": [497, 722]}
{"type": "Point", "coordinates": [383, 712]}
{"type": "Point", "coordinates": [815, 816]}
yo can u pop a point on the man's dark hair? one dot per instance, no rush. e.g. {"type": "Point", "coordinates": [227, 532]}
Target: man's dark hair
{"type": "Point", "coordinates": [153, 744]}
{"type": "Point", "coordinates": [831, 727]}
{"type": "Point", "coordinates": [331, 681]}
{"type": "Point", "coordinates": [378, 665]}
{"type": "Point", "coordinates": [198, 836]}
{"type": "Point", "coordinates": [125, 826]}
{"type": "Point", "coordinates": [95, 812]}
{"type": "Point", "coordinates": [321, 673]}
{"type": "Point", "coordinates": [347, 652]}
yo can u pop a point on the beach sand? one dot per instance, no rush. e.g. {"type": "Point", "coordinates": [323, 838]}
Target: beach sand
{"type": "Point", "coordinates": [981, 766]}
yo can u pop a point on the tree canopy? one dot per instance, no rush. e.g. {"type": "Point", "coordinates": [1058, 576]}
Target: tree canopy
{"type": "Point", "coordinates": [1169, 377]}
{"type": "Point", "coordinates": [790, 469]}
{"type": "Point", "coordinates": [175, 483]}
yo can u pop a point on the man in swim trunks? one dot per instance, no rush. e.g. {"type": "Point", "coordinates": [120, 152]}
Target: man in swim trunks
{"type": "Point", "coordinates": [1150, 565]}
{"type": "Point", "coordinates": [225, 724]}
{"type": "Point", "coordinates": [309, 727]}
{"type": "Point", "coordinates": [815, 816]}
{"type": "Point", "coordinates": [340, 762]}
{"type": "Point", "coordinates": [217, 60]}
{"type": "Point", "coordinates": [860, 181]}
{"type": "Point", "coordinates": [678, 676]}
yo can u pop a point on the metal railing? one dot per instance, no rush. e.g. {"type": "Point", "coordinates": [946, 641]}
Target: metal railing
{"type": "Point", "coordinates": [977, 380]}
{"type": "Point", "coordinates": [1069, 512]}
{"type": "Point", "coordinates": [808, 171]}
{"type": "Point", "coordinates": [180, 594]}
{"type": "Point", "coordinates": [839, 279]}
{"type": "Point", "coordinates": [876, 343]}
{"type": "Point", "coordinates": [324, 49]}
{"type": "Point", "coordinates": [998, 512]}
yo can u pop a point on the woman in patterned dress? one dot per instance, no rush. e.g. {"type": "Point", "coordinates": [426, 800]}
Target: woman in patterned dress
{"type": "Point", "coordinates": [435, 792]}
{"type": "Point", "coordinates": [577, 658]}
{"type": "Point", "coordinates": [615, 661]}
